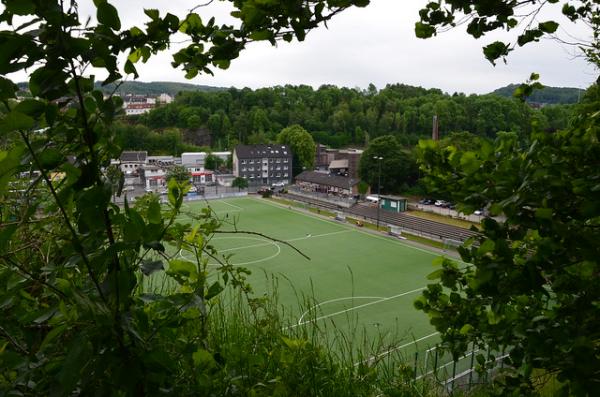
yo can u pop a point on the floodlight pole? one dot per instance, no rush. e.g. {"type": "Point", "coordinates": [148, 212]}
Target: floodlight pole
{"type": "Point", "coordinates": [378, 158]}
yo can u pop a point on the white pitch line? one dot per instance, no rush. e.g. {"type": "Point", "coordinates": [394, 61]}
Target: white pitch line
{"type": "Point", "coordinates": [359, 231]}
{"type": "Point", "coordinates": [337, 300]}
{"type": "Point", "coordinates": [232, 205]}
{"type": "Point", "coordinates": [287, 241]}
{"type": "Point", "coordinates": [319, 235]}
{"type": "Point", "coordinates": [357, 307]}
{"type": "Point", "coordinates": [385, 353]}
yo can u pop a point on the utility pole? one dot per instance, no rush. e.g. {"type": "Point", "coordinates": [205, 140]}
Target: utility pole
{"type": "Point", "coordinates": [378, 158]}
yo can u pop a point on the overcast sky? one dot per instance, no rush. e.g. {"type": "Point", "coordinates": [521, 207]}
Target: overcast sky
{"type": "Point", "coordinates": [376, 45]}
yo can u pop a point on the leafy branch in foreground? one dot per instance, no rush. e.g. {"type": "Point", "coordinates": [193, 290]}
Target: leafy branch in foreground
{"type": "Point", "coordinates": [532, 288]}
{"type": "Point", "coordinates": [82, 311]}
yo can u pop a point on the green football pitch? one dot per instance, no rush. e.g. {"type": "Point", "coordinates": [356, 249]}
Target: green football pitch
{"type": "Point", "coordinates": [354, 280]}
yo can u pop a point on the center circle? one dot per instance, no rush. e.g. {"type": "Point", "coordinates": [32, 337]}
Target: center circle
{"type": "Point", "coordinates": [258, 242]}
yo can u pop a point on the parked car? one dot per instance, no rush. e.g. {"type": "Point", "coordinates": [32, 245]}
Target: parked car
{"type": "Point", "coordinates": [441, 203]}
{"type": "Point", "coordinates": [478, 212]}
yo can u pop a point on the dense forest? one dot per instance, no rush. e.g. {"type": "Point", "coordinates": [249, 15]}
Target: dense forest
{"type": "Point", "coordinates": [344, 116]}
{"type": "Point", "coordinates": [547, 95]}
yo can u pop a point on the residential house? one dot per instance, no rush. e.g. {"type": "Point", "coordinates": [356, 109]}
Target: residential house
{"type": "Point", "coordinates": [263, 164]}
{"type": "Point", "coordinates": [130, 162]}
{"type": "Point", "coordinates": [338, 161]}
{"type": "Point", "coordinates": [319, 182]}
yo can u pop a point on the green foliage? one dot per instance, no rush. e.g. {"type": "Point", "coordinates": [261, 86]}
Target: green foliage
{"type": "Point", "coordinates": [398, 168]}
{"type": "Point", "coordinates": [531, 287]}
{"type": "Point", "coordinates": [486, 17]}
{"type": "Point", "coordinates": [180, 174]}
{"type": "Point", "coordinates": [301, 144]}
{"type": "Point", "coordinates": [80, 314]}
{"type": "Point", "coordinates": [212, 162]}
{"type": "Point", "coordinates": [168, 141]}
{"type": "Point", "coordinates": [240, 183]}
{"type": "Point", "coordinates": [334, 116]}
{"type": "Point", "coordinates": [548, 95]}
{"type": "Point", "coordinates": [153, 88]}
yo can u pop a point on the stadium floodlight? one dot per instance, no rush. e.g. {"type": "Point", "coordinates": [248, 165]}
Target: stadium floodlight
{"type": "Point", "coordinates": [378, 158]}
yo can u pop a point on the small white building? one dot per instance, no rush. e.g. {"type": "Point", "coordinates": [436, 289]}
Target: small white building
{"type": "Point", "coordinates": [155, 176]}
{"type": "Point", "coordinates": [164, 98]}
{"type": "Point", "coordinates": [133, 109]}
{"type": "Point", "coordinates": [193, 158]}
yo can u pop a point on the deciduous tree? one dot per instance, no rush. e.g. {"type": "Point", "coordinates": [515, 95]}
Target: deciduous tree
{"type": "Point", "coordinates": [301, 144]}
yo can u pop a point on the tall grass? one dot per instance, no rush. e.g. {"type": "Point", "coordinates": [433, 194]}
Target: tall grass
{"type": "Point", "coordinates": [262, 355]}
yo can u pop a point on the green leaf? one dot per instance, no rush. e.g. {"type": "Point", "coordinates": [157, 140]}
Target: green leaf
{"type": "Point", "coordinates": [108, 15]}
{"type": "Point", "coordinates": [154, 214]}
{"type": "Point", "coordinates": [9, 161]}
{"type": "Point", "coordinates": [469, 162]}
{"type": "Point", "coordinates": [16, 121]}
{"type": "Point", "coordinates": [7, 89]}
{"type": "Point", "coordinates": [31, 107]}
{"type": "Point", "coordinates": [424, 31]}
{"type": "Point", "coordinates": [487, 246]}
{"type": "Point", "coordinates": [182, 268]}
{"type": "Point", "coordinates": [215, 289]}
{"type": "Point", "coordinates": [149, 266]}
{"type": "Point", "coordinates": [20, 7]}
{"type": "Point", "coordinates": [203, 359]}
{"type": "Point", "coordinates": [51, 158]}
{"type": "Point", "coordinates": [543, 213]}
{"type": "Point", "coordinates": [435, 275]}
{"type": "Point", "coordinates": [466, 329]}
{"type": "Point", "coordinates": [548, 26]}
{"type": "Point", "coordinates": [152, 13]}
{"type": "Point", "coordinates": [261, 35]}
{"type": "Point", "coordinates": [495, 50]}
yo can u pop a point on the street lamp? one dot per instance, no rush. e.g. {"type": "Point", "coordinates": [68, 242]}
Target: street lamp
{"type": "Point", "coordinates": [378, 158]}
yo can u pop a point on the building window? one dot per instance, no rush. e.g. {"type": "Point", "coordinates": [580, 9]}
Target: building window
{"type": "Point", "coordinates": [243, 161]}
{"type": "Point", "coordinates": [285, 167]}
{"type": "Point", "coordinates": [285, 160]}
{"type": "Point", "coordinates": [244, 169]}
{"type": "Point", "coordinates": [278, 161]}
{"type": "Point", "coordinates": [285, 175]}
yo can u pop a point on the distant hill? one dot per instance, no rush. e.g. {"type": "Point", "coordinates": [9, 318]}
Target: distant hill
{"type": "Point", "coordinates": [547, 95]}
{"type": "Point", "coordinates": [155, 88]}
{"type": "Point", "coordinates": [143, 88]}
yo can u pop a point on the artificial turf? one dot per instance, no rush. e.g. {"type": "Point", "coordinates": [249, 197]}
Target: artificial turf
{"type": "Point", "coordinates": [353, 280]}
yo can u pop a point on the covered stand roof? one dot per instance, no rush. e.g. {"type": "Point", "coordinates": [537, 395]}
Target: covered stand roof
{"type": "Point", "coordinates": [320, 178]}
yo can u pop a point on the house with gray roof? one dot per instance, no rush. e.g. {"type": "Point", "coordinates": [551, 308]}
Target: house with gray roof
{"type": "Point", "coordinates": [320, 182]}
{"type": "Point", "coordinates": [263, 164]}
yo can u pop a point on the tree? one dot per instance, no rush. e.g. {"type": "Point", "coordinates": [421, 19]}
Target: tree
{"type": "Point", "coordinates": [397, 168]}
{"type": "Point", "coordinates": [301, 144]}
{"type": "Point", "coordinates": [212, 162]}
{"type": "Point", "coordinates": [179, 173]}
{"type": "Point", "coordinates": [531, 287]}
{"type": "Point", "coordinates": [78, 314]}
{"type": "Point", "coordinates": [240, 183]}
{"type": "Point", "coordinates": [482, 17]}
